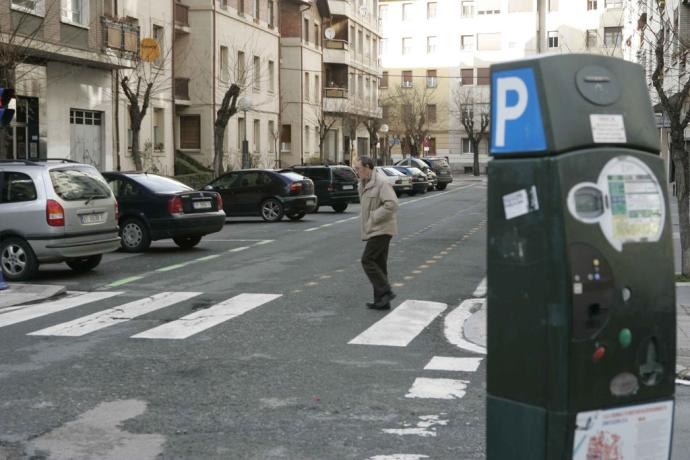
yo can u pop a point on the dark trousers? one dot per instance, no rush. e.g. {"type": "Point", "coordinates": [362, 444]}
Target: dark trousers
{"type": "Point", "coordinates": [375, 261]}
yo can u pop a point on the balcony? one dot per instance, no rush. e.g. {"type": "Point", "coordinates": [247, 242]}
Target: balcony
{"type": "Point", "coordinates": [121, 36]}
{"type": "Point", "coordinates": [182, 18]}
{"type": "Point", "coordinates": [182, 91]}
{"type": "Point", "coordinates": [339, 7]}
{"type": "Point", "coordinates": [336, 52]}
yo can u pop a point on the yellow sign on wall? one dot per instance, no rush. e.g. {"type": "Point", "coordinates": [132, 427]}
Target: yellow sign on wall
{"type": "Point", "coordinates": [150, 50]}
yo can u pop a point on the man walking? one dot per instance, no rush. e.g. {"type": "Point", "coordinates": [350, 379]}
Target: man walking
{"type": "Point", "coordinates": [379, 224]}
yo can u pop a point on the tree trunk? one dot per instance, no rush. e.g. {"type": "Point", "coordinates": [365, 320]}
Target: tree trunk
{"type": "Point", "coordinates": [4, 144]}
{"type": "Point", "coordinates": [136, 154]}
{"type": "Point", "coordinates": [680, 161]}
{"type": "Point", "coordinates": [218, 141]}
{"type": "Point", "coordinates": [475, 154]}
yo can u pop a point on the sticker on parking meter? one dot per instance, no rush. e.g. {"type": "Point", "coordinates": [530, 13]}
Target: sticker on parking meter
{"type": "Point", "coordinates": [636, 202]}
{"type": "Point", "coordinates": [607, 129]}
{"type": "Point", "coordinates": [624, 433]}
{"type": "Point", "coordinates": [519, 203]}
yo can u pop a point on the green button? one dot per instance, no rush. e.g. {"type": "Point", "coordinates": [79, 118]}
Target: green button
{"type": "Point", "coordinates": [625, 337]}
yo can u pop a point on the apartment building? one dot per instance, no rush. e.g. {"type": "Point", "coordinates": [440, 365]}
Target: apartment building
{"type": "Point", "coordinates": [442, 49]}
{"type": "Point", "coordinates": [218, 43]}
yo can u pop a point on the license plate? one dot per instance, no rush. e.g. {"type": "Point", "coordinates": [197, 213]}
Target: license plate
{"type": "Point", "coordinates": [201, 205]}
{"type": "Point", "coordinates": [311, 202]}
{"type": "Point", "coordinates": [92, 218]}
{"type": "Point", "coordinates": [348, 187]}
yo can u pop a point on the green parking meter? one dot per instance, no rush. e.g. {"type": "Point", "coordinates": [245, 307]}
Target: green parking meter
{"type": "Point", "coordinates": [581, 294]}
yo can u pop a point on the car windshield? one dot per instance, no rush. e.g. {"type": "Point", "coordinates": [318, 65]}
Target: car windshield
{"type": "Point", "coordinates": [344, 175]}
{"type": "Point", "coordinates": [160, 184]}
{"type": "Point", "coordinates": [415, 171]}
{"type": "Point", "coordinates": [72, 184]}
{"type": "Point", "coordinates": [392, 172]}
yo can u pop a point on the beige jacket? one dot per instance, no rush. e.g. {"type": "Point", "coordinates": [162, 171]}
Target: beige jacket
{"type": "Point", "coordinates": [378, 207]}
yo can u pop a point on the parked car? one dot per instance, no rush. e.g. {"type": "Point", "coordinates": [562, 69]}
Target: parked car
{"type": "Point", "coordinates": [54, 211]}
{"type": "Point", "coordinates": [334, 185]}
{"type": "Point", "coordinates": [154, 207]}
{"type": "Point", "coordinates": [420, 182]}
{"type": "Point", "coordinates": [267, 193]}
{"type": "Point", "coordinates": [422, 166]}
{"type": "Point", "coordinates": [400, 182]}
{"type": "Point", "coordinates": [442, 169]}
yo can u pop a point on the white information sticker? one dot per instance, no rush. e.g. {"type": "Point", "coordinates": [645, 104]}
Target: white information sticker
{"type": "Point", "coordinates": [607, 129]}
{"type": "Point", "coordinates": [625, 433]}
{"type": "Point", "coordinates": [516, 204]}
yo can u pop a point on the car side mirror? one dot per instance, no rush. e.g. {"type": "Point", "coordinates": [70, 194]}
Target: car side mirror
{"type": "Point", "coordinates": [208, 188]}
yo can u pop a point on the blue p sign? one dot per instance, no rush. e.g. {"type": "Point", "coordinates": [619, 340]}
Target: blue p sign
{"type": "Point", "coordinates": [516, 123]}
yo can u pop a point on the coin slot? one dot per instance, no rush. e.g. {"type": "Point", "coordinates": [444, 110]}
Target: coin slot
{"type": "Point", "coordinates": [651, 368]}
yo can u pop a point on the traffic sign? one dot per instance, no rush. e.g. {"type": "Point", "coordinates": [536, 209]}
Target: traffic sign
{"type": "Point", "coordinates": [516, 121]}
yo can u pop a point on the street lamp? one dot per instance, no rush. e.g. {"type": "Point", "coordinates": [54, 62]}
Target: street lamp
{"type": "Point", "coordinates": [384, 146]}
{"type": "Point", "coordinates": [244, 104]}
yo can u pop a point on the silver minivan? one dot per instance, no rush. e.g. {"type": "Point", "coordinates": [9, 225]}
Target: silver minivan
{"type": "Point", "coordinates": [54, 211]}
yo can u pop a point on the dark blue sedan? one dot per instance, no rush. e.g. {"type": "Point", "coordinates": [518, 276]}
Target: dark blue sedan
{"type": "Point", "coordinates": [154, 207]}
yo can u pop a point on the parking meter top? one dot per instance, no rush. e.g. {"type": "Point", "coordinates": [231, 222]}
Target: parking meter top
{"type": "Point", "coordinates": [541, 106]}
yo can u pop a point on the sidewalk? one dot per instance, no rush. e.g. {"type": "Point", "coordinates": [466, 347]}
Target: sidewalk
{"type": "Point", "coordinates": [19, 293]}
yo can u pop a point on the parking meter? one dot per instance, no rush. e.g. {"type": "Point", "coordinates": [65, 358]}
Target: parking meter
{"type": "Point", "coordinates": [581, 293]}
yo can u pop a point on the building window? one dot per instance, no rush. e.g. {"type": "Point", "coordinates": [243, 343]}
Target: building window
{"type": "Point", "coordinates": [360, 42]}
{"type": "Point", "coordinates": [384, 80]}
{"type": "Point", "coordinates": [353, 39]}
{"type": "Point", "coordinates": [613, 36]}
{"type": "Point", "coordinates": [367, 48]}
{"type": "Point", "coordinates": [240, 77]}
{"type": "Point", "coordinates": [306, 86]}
{"type": "Point", "coordinates": [257, 9]}
{"type": "Point", "coordinates": [430, 45]}
{"type": "Point", "coordinates": [271, 136]}
{"type": "Point", "coordinates": [159, 36]}
{"type": "Point", "coordinates": [591, 41]}
{"type": "Point", "coordinates": [270, 13]}
{"type": "Point", "coordinates": [489, 42]}
{"type": "Point", "coordinates": [190, 132]}
{"type": "Point", "coordinates": [467, 77]}
{"type": "Point", "coordinates": [467, 42]}
{"type": "Point", "coordinates": [317, 35]}
{"type": "Point", "coordinates": [385, 112]}
{"type": "Point", "coordinates": [383, 12]}
{"type": "Point", "coordinates": [306, 30]}
{"type": "Point", "coordinates": [257, 73]}
{"type": "Point", "coordinates": [467, 8]}
{"type": "Point", "coordinates": [591, 5]}
{"type": "Point", "coordinates": [483, 76]}
{"type": "Point", "coordinates": [406, 11]}
{"type": "Point", "coordinates": [30, 6]}
{"type": "Point", "coordinates": [553, 5]}
{"type": "Point", "coordinates": [407, 79]}
{"type": "Point", "coordinates": [383, 47]}
{"type": "Point", "coordinates": [553, 39]}
{"type": "Point", "coordinates": [75, 11]}
{"type": "Point", "coordinates": [466, 145]}
{"type": "Point", "coordinates": [406, 45]}
{"type": "Point", "coordinates": [158, 129]}
{"type": "Point", "coordinates": [431, 113]}
{"type": "Point", "coordinates": [306, 139]}
{"type": "Point", "coordinates": [271, 77]}
{"type": "Point", "coordinates": [431, 10]}
{"type": "Point", "coordinates": [431, 79]}
{"type": "Point", "coordinates": [285, 138]}
{"type": "Point", "coordinates": [360, 86]}
{"type": "Point", "coordinates": [240, 7]}
{"type": "Point", "coordinates": [257, 136]}
{"type": "Point", "coordinates": [224, 69]}
{"type": "Point", "coordinates": [487, 7]}
{"type": "Point", "coordinates": [317, 88]}
{"type": "Point", "coordinates": [224, 4]}
{"type": "Point", "coordinates": [613, 3]}
{"type": "Point", "coordinates": [241, 132]}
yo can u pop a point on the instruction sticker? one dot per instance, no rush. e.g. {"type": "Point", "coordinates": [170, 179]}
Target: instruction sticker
{"type": "Point", "coordinates": [625, 433]}
{"type": "Point", "coordinates": [519, 203]}
{"type": "Point", "coordinates": [607, 129]}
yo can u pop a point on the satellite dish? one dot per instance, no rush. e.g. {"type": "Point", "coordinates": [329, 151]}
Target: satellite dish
{"type": "Point", "coordinates": [363, 11]}
{"type": "Point", "coordinates": [384, 128]}
{"type": "Point", "coordinates": [329, 33]}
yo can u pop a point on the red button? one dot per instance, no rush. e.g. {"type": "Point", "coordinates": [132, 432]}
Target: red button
{"type": "Point", "coordinates": [598, 354]}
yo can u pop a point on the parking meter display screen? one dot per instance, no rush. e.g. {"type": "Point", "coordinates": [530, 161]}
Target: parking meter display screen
{"type": "Point", "coordinates": [588, 202]}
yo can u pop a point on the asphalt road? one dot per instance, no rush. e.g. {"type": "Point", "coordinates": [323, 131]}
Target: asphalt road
{"type": "Point", "coordinates": [280, 379]}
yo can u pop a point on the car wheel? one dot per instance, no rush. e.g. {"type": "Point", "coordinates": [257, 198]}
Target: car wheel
{"type": "Point", "coordinates": [441, 186]}
{"type": "Point", "coordinates": [271, 210]}
{"type": "Point", "coordinates": [17, 260]}
{"type": "Point", "coordinates": [187, 242]}
{"type": "Point", "coordinates": [296, 215]}
{"type": "Point", "coordinates": [340, 207]}
{"type": "Point", "coordinates": [84, 264]}
{"type": "Point", "coordinates": [134, 235]}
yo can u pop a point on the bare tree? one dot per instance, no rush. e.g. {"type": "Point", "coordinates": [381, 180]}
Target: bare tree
{"type": "Point", "coordinates": [324, 122]}
{"type": "Point", "coordinates": [471, 107]}
{"type": "Point", "coordinates": [373, 125]}
{"type": "Point", "coordinates": [227, 109]}
{"type": "Point", "coordinates": [408, 113]}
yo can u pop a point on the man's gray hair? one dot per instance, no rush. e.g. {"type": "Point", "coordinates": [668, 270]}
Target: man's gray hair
{"type": "Point", "coordinates": [366, 161]}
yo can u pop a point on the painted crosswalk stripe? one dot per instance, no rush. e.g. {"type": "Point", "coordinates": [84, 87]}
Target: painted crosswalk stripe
{"type": "Point", "coordinates": [437, 388]}
{"type": "Point", "coordinates": [445, 363]}
{"type": "Point", "coordinates": [480, 291]}
{"type": "Point", "coordinates": [204, 319]}
{"type": "Point", "coordinates": [102, 319]}
{"type": "Point", "coordinates": [402, 325]}
{"type": "Point", "coordinates": [46, 308]}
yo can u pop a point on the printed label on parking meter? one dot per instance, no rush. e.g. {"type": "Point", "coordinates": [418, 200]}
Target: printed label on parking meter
{"type": "Point", "coordinates": [625, 433]}
{"type": "Point", "coordinates": [607, 129]}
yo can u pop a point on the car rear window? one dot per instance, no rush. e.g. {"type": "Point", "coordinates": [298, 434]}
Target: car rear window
{"type": "Point", "coordinates": [344, 175]}
{"type": "Point", "coordinates": [292, 176]}
{"type": "Point", "coordinates": [316, 173]}
{"type": "Point", "coordinates": [72, 184]}
{"type": "Point", "coordinates": [437, 162]}
{"type": "Point", "coordinates": [160, 184]}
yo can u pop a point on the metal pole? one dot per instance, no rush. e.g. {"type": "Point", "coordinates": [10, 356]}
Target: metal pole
{"type": "Point", "coordinates": [245, 145]}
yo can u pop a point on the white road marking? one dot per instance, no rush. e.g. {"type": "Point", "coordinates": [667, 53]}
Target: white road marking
{"type": "Point", "coordinates": [480, 291]}
{"type": "Point", "coordinates": [262, 242]}
{"type": "Point", "coordinates": [444, 363]}
{"type": "Point", "coordinates": [425, 427]}
{"type": "Point", "coordinates": [423, 432]}
{"type": "Point", "coordinates": [398, 457]}
{"type": "Point", "coordinates": [37, 310]}
{"type": "Point", "coordinates": [454, 323]}
{"type": "Point", "coordinates": [437, 388]}
{"type": "Point", "coordinates": [241, 248]}
{"type": "Point", "coordinates": [402, 325]}
{"type": "Point", "coordinates": [206, 318]}
{"type": "Point", "coordinates": [102, 319]}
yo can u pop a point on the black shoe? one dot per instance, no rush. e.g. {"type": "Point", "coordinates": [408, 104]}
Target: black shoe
{"type": "Point", "coordinates": [371, 304]}
{"type": "Point", "coordinates": [387, 297]}
{"type": "Point", "coordinates": [375, 306]}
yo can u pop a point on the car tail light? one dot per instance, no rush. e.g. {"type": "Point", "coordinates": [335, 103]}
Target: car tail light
{"type": "Point", "coordinates": [331, 188]}
{"type": "Point", "coordinates": [175, 205]}
{"type": "Point", "coordinates": [219, 202]}
{"type": "Point", "coordinates": [55, 214]}
{"type": "Point", "coordinates": [295, 187]}
{"type": "Point", "coordinates": [117, 211]}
